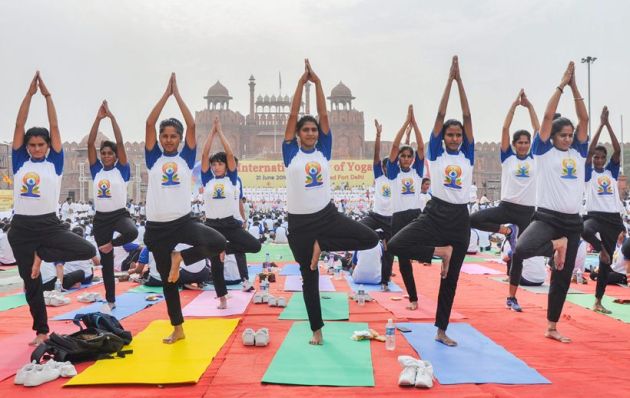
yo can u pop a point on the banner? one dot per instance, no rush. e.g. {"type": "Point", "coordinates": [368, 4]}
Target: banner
{"type": "Point", "coordinates": [6, 199]}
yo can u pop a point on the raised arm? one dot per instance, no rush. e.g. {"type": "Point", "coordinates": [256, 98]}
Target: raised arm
{"type": "Point", "coordinates": [377, 142]}
{"type": "Point", "coordinates": [121, 154]}
{"type": "Point", "coordinates": [55, 137]}
{"type": "Point", "coordinates": [320, 98]}
{"type": "Point", "coordinates": [439, 119]}
{"type": "Point", "coordinates": [229, 154]}
{"type": "Point", "coordinates": [191, 138]}
{"type": "Point", "coordinates": [91, 144]}
{"type": "Point", "coordinates": [207, 147]}
{"type": "Point", "coordinates": [595, 139]}
{"type": "Point", "coordinates": [408, 135]}
{"type": "Point", "coordinates": [150, 139]}
{"type": "Point", "coordinates": [580, 109]}
{"type": "Point", "coordinates": [505, 132]}
{"type": "Point", "coordinates": [418, 134]}
{"type": "Point", "coordinates": [20, 123]}
{"type": "Point", "coordinates": [613, 138]}
{"type": "Point", "coordinates": [467, 119]}
{"type": "Point", "coordinates": [533, 117]}
{"type": "Point", "coordinates": [393, 154]}
{"type": "Point", "coordinates": [289, 133]}
{"type": "Point", "coordinates": [552, 105]}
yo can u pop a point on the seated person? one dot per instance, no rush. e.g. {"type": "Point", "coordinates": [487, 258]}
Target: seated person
{"type": "Point", "coordinates": [149, 272]}
{"type": "Point", "coordinates": [367, 265]}
{"type": "Point", "coordinates": [534, 268]}
{"type": "Point", "coordinates": [6, 253]}
{"type": "Point", "coordinates": [281, 234]}
{"type": "Point", "coordinates": [230, 270]}
{"type": "Point", "coordinates": [473, 246]}
{"type": "Point", "coordinates": [484, 240]}
{"type": "Point", "coordinates": [52, 272]}
{"type": "Point", "coordinates": [620, 267]}
{"type": "Point", "coordinates": [193, 276]}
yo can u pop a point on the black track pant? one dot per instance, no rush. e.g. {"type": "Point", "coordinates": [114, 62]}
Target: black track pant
{"type": "Point", "coordinates": [441, 224]}
{"type": "Point", "coordinates": [162, 237]}
{"type": "Point", "coordinates": [239, 241]}
{"type": "Point", "coordinates": [609, 226]}
{"type": "Point", "coordinates": [548, 225]}
{"type": "Point", "coordinates": [492, 218]}
{"type": "Point", "coordinates": [334, 231]}
{"type": "Point", "coordinates": [70, 279]}
{"type": "Point", "coordinates": [105, 224]}
{"type": "Point", "coordinates": [46, 236]}
{"type": "Point", "coordinates": [376, 221]}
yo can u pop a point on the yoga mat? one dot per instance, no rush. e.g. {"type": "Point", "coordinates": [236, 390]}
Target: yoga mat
{"type": "Point", "coordinates": [74, 289]}
{"type": "Point", "coordinates": [12, 301]}
{"type": "Point", "coordinates": [619, 311]}
{"type": "Point", "coordinates": [293, 283]}
{"type": "Point", "coordinates": [426, 307]}
{"type": "Point", "coordinates": [290, 269]}
{"type": "Point", "coordinates": [254, 270]}
{"type": "Point", "coordinates": [154, 362]}
{"type": "Point", "coordinates": [476, 359]}
{"type": "Point", "coordinates": [355, 287]}
{"type": "Point", "coordinates": [10, 280]}
{"type": "Point", "coordinates": [544, 289]}
{"type": "Point", "coordinates": [467, 259]}
{"type": "Point", "coordinates": [127, 304]}
{"type": "Point", "coordinates": [478, 269]}
{"type": "Point", "coordinates": [147, 289]}
{"type": "Point", "coordinates": [206, 304]}
{"type": "Point", "coordinates": [334, 308]}
{"type": "Point", "coordinates": [339, 362]}
{"type": "Point", "coordinates": [277, 253]}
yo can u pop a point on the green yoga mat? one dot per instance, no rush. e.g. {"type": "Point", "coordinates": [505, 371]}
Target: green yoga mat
{"type": "Point", "coordinates": [339, 362]}
{"type": "Point", "coordinates": [13, 301]}
{"type": "Point", "coordinates": [467, 259]}
{"type": "Point", "coordinates": [147, 289]}
{"type": "Point", "coordinates": [277, 253]}
{"type": "Point", "coordinates": [619, 311]}
{"type": "Point", "coordinates": [334, 308]}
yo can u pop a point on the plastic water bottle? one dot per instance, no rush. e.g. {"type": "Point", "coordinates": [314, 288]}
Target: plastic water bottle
{"type": "Point", "coordinates": [390, 336]}
{"type": "Point", "coordinates": [361, 297]}
{"type": "Point", "coordinates": [267, 263]}
{"type": "Point", "coordinates": [58, 285]}
{"type": "Point", "coordinates": [579, 276]}
{"type": "Point", "coordinates": [264, 286]}
{"type": "Point", "coordinates": [338, 270]}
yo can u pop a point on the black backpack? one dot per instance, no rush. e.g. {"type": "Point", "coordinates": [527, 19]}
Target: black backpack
{"type": "Point", "coordinates": [104, 322]}
{"type": "Point", "coordinates": [88, 344]}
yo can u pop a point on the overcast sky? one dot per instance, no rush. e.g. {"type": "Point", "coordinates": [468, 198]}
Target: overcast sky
{"type": "Point", "coordinates": [390, 53]}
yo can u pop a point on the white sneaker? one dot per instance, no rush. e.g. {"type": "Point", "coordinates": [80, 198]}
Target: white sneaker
{"type": "Point", "coordinates": [39, 375]}
{"type": "Point", "coordinates": [262, 337]}
{"type": "Point", "coordinates": [424, 375]}
{"type": "Point", "coordinates": [272, 301]}
{"type": "Point", "coordinates": [410, 369]}
{"type": "Point", "coordinates": [66, 369]}
{"type": "Point", "coordinates": [58, 301]}
{"type": "Point", "coordinates": [247, 286]}
{"type": "Point", "coordinates": [20, 375]}
{"type": "Point", "coordinates": [258, 298]}
{"type": "Point", "coordinates": [89, 297]}
{"type": "Point", "coordinates": [265, 297]}
{"type": "Point", "coordinates": [248, 337]}
{"type": "Point", "coordinates": [282, 302]}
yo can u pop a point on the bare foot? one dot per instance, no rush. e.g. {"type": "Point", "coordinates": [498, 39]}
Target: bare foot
{"type": "Point", "coordinates": [96, 260]}
{"type": "Point", "coordinates": [106, 248]}
{"type": "Point", "coordinates": [222, 303]}
{"type": "Point", "coordinates": [178, 334]}
{"type": "Point", "coordinates": [37, 264]}
{"type": "Point", "coordinates": [445, 253]}
{"type": "Point", "coordinates": [560, 252]}
{"type": "Point", "coordinates": [40, 338]}
{"type": "Point", "coordinates": [412, 306]}
{"type": "Point", "coordinates": [604, 257]}
{"type": "Point", "coordinates": [598, 307]}
{"type": "Point", "coordinates": [553, 334]}
{"type": "Point", "coordinates": [316, 253]}
{"type": "Point", "coordinates": [176, 259]}
{"type": "Point", "coordinates": [441, 337]}
{"type": "Point", "coordinates": [318, 338]}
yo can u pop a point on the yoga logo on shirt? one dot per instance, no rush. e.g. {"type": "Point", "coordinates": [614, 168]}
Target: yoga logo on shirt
{"type": "Point", "coordinates": [569, 169]}
{"type": "Point", "coordinates": [452, 176]}
{"type": "Point", "coordinates": [406, 186]}
{"type": "Point", "coordinates": [604, 186]}
{"type": "Point", "coordinates": [314, 176]}
{"type": "Point", "coordinates": [386, 191]}
{"type": "Point", "coordinates": [30, 185]}
{"type": "Point", "coordinates": [218, 192]}
{"type": "Point", "coordinates": [103, 190]}
{"type": "Point", "coordinates": [169, 174]}
{"type": "Point", "coordinates": [522, 170]}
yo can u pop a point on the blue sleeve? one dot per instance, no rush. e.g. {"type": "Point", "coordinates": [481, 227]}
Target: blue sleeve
{"type": "Point", "coordinates": [233, 176]}
{"type": "Point", "coordinates": [129, 247]}
{"type": "Point", "coordinates": [189, 155]}
{"type": "Point", "coordinates": [581, 147]}
{"type": "Point", "coordinates": [152, 156]}
{"type": "Point", "coordinates": [468, 149]}
{"type": "Point", "coordinates": [324, 144]}
{"type": "Point", "coordinates": [540, 147]}
{"type": "Point", "coordinates": [125, 171]}
{"type": "Point", "coordinates": [613, 167]}
{"type": "Point", "coordinates": [355, 258]}
{"type": "Point", "coordinates": [56, 158]}
{"type": "Point", "coordinates": [506, 154]}
{"type": "Point", "coordinates": [289, 150]}
{"type": "Point", "coordinates": [435, 147]}
{"type": "Point", "coordinates": [392, 169]}
{"type": "Point", "coordinates": [19, 157]}
{"type": "Point", "coordinates": [378, 170]}
{"type": "Point", "coordinates": [240, 188]}
{"type": "Point", "coordinates": [418, 165]}
{"type": "Point", "coordinates": [144, 256]}
{"type": "Point", "coordinates": [588, 172]}
{"type": "Point", "coordinates": [206, 176]}
{"type": "Point", "coordinates": [95, 168]}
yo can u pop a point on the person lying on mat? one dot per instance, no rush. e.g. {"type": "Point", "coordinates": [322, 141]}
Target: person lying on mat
{"type": "Point", "coordinates": [367, 265]}
{"type": "Point", "coordinates": [51, 273]}
{"type": "Point", "coordinates": [534, 268]}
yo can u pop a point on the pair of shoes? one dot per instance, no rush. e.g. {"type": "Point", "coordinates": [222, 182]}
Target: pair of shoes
{"type": "Point", "coordinates": [277, 301]}
{"type": "Point", "coordinates": [260, 338]}
{"type": "Point", "coordinates": [258, 298]}
{"type": "Point", "coordinates": [89, 297]}
{"type": "Point", "coordinates": [247, 286]}
{"type": "Point", "coordinates": [54, 298]}
{"type": "Point", "coordinates": [32, 374]}
{"type": "Point", "coordinates": [512, 303]}
{"type": "Point", "coordinates": [415, 372]}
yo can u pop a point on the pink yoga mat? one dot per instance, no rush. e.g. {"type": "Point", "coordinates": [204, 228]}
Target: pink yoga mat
{"type": "Point", "coordinates": [293, 283]}
{"type": "Point", "coordinates": [206, 304]}
{"type": "Point", "coordinates": [477, 269]}
{"type": "Point", "coordinates": [426, 307]}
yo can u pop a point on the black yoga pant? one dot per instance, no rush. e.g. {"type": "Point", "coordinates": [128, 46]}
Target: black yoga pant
{"type": "Point", "coordinates": [45, 236]}
{"type": "Point", "coordinates": [152, 282]}
{"type": "Point", "coordinates": [613, 278]}
{"type": "Point", "coordinates": [70, 279]}
{"type": "Point", "coordinates": [162, 237]}
{"type": "Point", "coordinates": [441, 224]}
{"type": "Point", "coordinates": [376, 221]}
{"type": "Point", "coordinates": [399, 221]}
{"type": "Point", "coordinates": [105, 224]}
{"type": "Point", "coordinates": [334, 232]}
{"type": "Point", "coordinates": [241, 263]}
{"type": "Point", "coordinates": [492, 218]}
{"type": "Point", "coordinates": [187, 277]}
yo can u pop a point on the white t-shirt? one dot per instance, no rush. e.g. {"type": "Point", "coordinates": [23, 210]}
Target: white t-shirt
{"type": "Point", "coordinates": [254, 230]}
{"type": "Point", "coordinates": [84, 265]}
{"type": "Point", "coordinates": [308, 175]}
{"type": "Point", "coordinates": [37, 183]}
{"type": "Point", "coordinates": [618, 261]}
{"type": "Point", "coordinates": [473, 245]}
{"type": "Point", "coordinates": [194, 267]}
{"type": "Point", "coordinates": [110, 186]}
{"type": "Point", "coordinates": [146, 257]}
{"type": "Point", "coordinates": [6, 253]}
{"type": "Point", "coordinates": [281, 235]}
{"type": "Point", "coordinates": [601, 188]}
{"type": "Point", "coordinates": [484, 238]}
{"type": "Point", "coordinates": [518, 178]}
{"type": "Point", "coordinates": [238, 195]}
{"type": "Point", "coordinates": [560, 185]}
{"type": "Point", "coordinates": [534, 268]}
{"type": "Point", "coordinates": [48, 271]}
{"type": "Point", "coordinates": [451, 172]}
{"type": "Point", "coordinates": [368, 265]}
{"type": "Point", "coordinates": [424, 199]}
{"type": "Point", "coordinates": [382, 192]}
{"type": "Point", "coordinates": [405, 184]}
{"type": "Point", "coordinates": [218, 194]}
{"type": "Point", "coordinates": [170, 183]}
{"type": "Point", "coordinates": [230, 268]}
{"type": "Point", "coordinates": [580, 259]}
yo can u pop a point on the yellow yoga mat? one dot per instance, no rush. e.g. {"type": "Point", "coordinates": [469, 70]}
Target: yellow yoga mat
{"type": "Point", "coordinates": [154, 362]}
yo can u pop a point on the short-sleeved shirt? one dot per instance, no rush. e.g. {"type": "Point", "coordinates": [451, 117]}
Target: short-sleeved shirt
{"type": "Point", "coordinates": [382, 192]}
{"type": "Point", "coordinates": [451, 172]}
{"type": "Point", "coordinates": [601, 188]}
{"type": "Point", "coordinates": [518, 178]}
{"type": "Point", "coordinates": [218, 193]}
{"type": "Point", "coordinates": [406, 184]}
{"type": "Point", "coordinates": [110, 186]}
{"type": "Point", "coordinates": [37, 183]}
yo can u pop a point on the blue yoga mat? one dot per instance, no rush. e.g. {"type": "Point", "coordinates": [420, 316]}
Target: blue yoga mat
{"type": "Point", "coordinates": [290, 269]}
{"type": "Point", "coordinates": [476, 359]}
{"type": "Point", "coordinates": [254, 269]}
{"type": "Point", "coordinates": [127, 304]}
{"type": "Point", "coordinates": [355, 287]}
{"type": "Point", "coordinates": [85, 286]}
